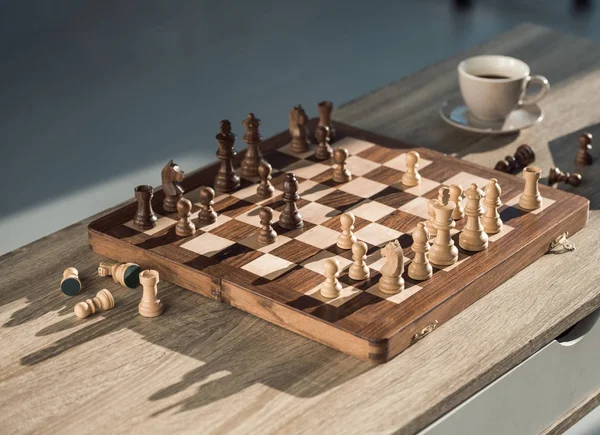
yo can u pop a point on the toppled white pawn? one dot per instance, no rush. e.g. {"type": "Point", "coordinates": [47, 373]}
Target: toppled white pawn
{"type": "Point", "coordinates": [331, 287]}
{"type": "Point", "coordinates": [103, 301]}
{"type": "Point", "coordinates": [359, 269]}
{"type": "Point", "coordinates": [492, 224]}
{"type": "Point", "coordinates": [347, 238]}
{"type": "Point", "coordinates": [411, 177]}
{"type": "Point", "coordinates": [420, 269]}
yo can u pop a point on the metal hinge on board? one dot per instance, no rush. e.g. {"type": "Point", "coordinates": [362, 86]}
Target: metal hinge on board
{"type": "Point", "coordinates": [426, 331]}
{"type": "Point", "coordinates": [561, 241]}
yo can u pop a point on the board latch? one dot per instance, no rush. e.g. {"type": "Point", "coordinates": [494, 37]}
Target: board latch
{"type": "Point", "coordinates": [426, 331]}
{"type": "Point", "coordinates": [565, 244]}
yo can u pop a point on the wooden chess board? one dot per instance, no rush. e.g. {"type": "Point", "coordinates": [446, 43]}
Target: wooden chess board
{"type": "Point", "coordinates": [280, 282]}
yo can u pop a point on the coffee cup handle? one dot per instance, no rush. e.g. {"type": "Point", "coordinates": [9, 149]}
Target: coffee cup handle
{"type": "Point", "coordinates": [526, 100]}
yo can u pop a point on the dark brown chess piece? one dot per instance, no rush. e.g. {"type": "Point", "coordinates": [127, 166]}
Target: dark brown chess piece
{"type": "Point", "coordinates": [583, 157]}
{"type": "Point", "coordinates": [226, 179]}
{"type": "Point", "coordinates": [323, 151]}
{"type": "Point", "coordinates": [265, 189]}
{"type": "Point", "coordinates": [325, 108]}
{"type": "Point", "coordinates": [171, 176]}
{"type": "Point", "coordinates": [298, 130]}
{"type": "Point", "coordinates": [341, 174]}
{"type": "Point", "coordinates": [290, 217]}
{"type": "Point", "coordinates": [144, 218]}
{"type": "Point", "coordinates": [524, 156]}
{"type": "Point", "coordinates": [252, 137]}
{"type": "Point", "coordinates": [185, 227]}
{"type": "Point", "coordinates": [206, 214]}
{"type": "Point", "coordinates": [267, 234]}
{"type": "Point", "coordinates": [556, 176]}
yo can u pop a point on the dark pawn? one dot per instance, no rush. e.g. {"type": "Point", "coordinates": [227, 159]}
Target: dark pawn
{"type": "Point", "coordinates": [325, 108]}
{"type": "Point", "coordinates": [265, 189]}
{"type": "Point", "coordinates": [226, 179]}
{"type": "Point", "coordinates": [207, 215]}
{"type": "Point", "coordinates": [323, 151]}
{"type": "Point", "coordinates": [556, 176]}
{"type": "Point", "coordinates": [267, 234]}
{"type": "Point", "coordinates": [290, 217]}
{"type": "Point", "coordinates": [252, 137]}
{"type": "Point", "coordinates": [583, 157]}
{"type": "Point", "coordinates": [144, 218]}
{"type": "Point", "coordinates": [341, 174]}
{"type": "Point", "coordinates": [185, 227]}
{"type": "Point", "coordinates": [524, 156]}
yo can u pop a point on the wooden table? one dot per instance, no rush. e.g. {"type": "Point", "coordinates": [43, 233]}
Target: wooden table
{"type": "Point", "coordinates": [203, 365]}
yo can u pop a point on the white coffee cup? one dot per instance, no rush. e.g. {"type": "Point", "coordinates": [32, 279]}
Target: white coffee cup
{"type": "Point", "coordinates": [493, 85]}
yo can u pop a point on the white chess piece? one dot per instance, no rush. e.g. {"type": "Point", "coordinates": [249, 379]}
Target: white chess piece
{"type": "Point", "coordinates": [456, 195]}
{"type": "Point", "coordinates": [331, 287]}
{"type": "Point", "coordinates": [419, 268]}
{"type": "Point", "coordinates": [347, 238]}
{"type": "Point", "coordinates": [443, 252]}
{"type": "Point", "coordinates": [530, 198]}
{"type": "Point", "coordinates": [473, 237]}
{"type": "Point", "coordinates": [492, 224]}
{"type": "Point", "coordinates": [430, 224]}
{"type": "Point", "coordinates": [359, 269]}
{"type": "Point", "coordinates": [391, 280]}
{"type": "Point", "coordinates": [411, 177]}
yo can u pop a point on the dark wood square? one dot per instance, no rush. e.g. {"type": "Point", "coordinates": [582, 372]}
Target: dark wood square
{"type": "Point", "coordinates": [295, 251]}
{"type": "Point", "coordinates": [385, 175]}
{"type": "Point", "coordinates": [234, 230]}
{"type": "Point", "coordinates": [340, 200]}
{"type": "Point", "coordinates": [393, 197]}
{"type": "Point", "coordinates": [379, 154]}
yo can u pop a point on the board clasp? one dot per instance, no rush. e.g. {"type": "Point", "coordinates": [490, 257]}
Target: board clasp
{"type": "Point", "coordinates": [426, 331]}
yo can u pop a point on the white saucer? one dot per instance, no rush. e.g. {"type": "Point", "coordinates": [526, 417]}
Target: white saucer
{"type": "Point", "coordinates": [455, 113]}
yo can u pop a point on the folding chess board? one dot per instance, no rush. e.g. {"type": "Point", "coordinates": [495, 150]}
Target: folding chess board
{"type": "Point", "coordinates": [280, 282]}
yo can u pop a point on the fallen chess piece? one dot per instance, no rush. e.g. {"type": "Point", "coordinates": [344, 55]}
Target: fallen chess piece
{"type": "Point", "coordinates": [126, 274]}
{"type": "Point", "coordinates": [583, 157]}
{"type": "Point", "coordinates": [556, 176]}
{"type": "Point", "coordinates": [70, 283]}
{"type": "Point", "coordinates": [524, 156]}
{"type": "Point", "coordinates": [103, 301]}
{"type": "Point", "coordinates": [150, 305]}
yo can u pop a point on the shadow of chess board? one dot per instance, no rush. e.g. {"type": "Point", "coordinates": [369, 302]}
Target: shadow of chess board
{"type": "Point", "coordinates": [280, 282]}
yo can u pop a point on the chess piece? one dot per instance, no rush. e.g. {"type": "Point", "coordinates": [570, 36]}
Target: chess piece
{"type": "Point", "coordinates": [430, 224]}
{"type": "Point", "coordinates": [298, 130]}
{"type": "Point", "coordinates": [126, 274]}
{"type": "Point", "coordinates": [144, 218]}
{"type": "Point", "coordinates": [185, 227]}
{"type": "Point", "coordinates": [70, 283]}
{"type": "Point", "coordinates": [290, 218]}
{"type": "Point", "coordinates": [267, 234]}
{"type": "Point", "coordinates": [443, 252]}
{"type": "Point", "coordinates": [411, 177]}
{"type": "Point", "coordinates": [150, 305]}
{"type": "Point", "coordinates": [391, 280]}
{"type": "Point", "coordinates": [206, 214]}
{"type": "Point", "coordinates": [492, 224]}
{"type": "Point", "coordinates": [252, 137]}
{"type": "Point", "coordinates": [323, 151]}
{"type": "Point", "coordinates": [325, 108]}
{"type": "Point", "coordinates": [530, 198]}
{"type": "Point", "coordinates": [583, 157]}
{"type": "Point", "coordinates": [556, 176]}
{"type": "Point", "coordinates": [103, 301]}
{"type": "Point", "coordinates": [419, 269]}
{"type": "Point", "coordinates": [473, 237]}
{"type": "Point", "coordinates": [331, 287]}
{"type": "Point", "coordinates": [171, 176]}
{"type": "Point", "coordinates": [523, 157]}
{"type": "Point", "coordinates": [359, 269]}
{"type": "Point", "coordinates": [456, 195]}
{"type": "Point", "coordinates": [347, 238]}
{"type": "Point", "coordinates": [341, 174]}
{"type": "Point", "coordinates": [265, 189]}
{"type": "Point", "coordinates": [226, 179]}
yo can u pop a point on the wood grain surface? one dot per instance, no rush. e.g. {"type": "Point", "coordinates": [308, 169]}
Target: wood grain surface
{"type": "Point", "coordinates": [206, 367]}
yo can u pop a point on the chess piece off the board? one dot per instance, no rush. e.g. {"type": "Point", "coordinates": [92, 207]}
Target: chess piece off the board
{"type": "Point", "coordinates": [556, 176]}
{"type": "Point", "coordinates": [299, 130]}
{"type": "Point", "coordinates": [104, 301]}
{"type": "Point", "coordinates": [290, 218]}
{"type": "Point", "coordinates": [456, 195]}
{"type": "Point", "coordinates": [144, 218]}
{"type": "Point", "coordinates": [325, 109]}
{"type": "Point", "coordinates": [420, 269]}
{"type": "Point", "coordinates": [341, 174]}
{"type": "Point", "coordinates": [253, 139]}
{"type": "Point", "coordinates": [206, 214]}
{"type": "Point", "coordinates": [150, 305]}
{"type": "Point", "coordinates": [171, 176]}
{"type": "Point", "coordinates": [331, 287]}
{"type": "Point", "coordinates": [523, 157]}
{"type": "Point", "coordinates": [323, 150]}
{"type": "Point", "coordinates": [411, 176]}
{"type": "Point", "coordinates": [70, 283]}
{"type": "Point", "coordinates": [530, 198]}
{"type": "Point", "coordinates": [391, 281]}
{"type": "Point", "coordinates": [492, 224]}
{"type": "Point", "coordinates": [126, 274]}
{"type": "Point", "coordinates": [265, 189]}
{"type": "Point", "coordinates": [267, 234]}
{"type": "Point", "coordinates": [359, 269]}
{"type": "Point", "coordinates": [473, 237]}
{"type": "Point", "coordinates": [185, 227]}
{"type": "Point", "coordinates": [226, 179]}
{"type": "Point", "coordinates": [347, 238]}
{"type": "Point", "coordinates": [443, 252]}
{"type": "Point", "coordinates": [583, 156]}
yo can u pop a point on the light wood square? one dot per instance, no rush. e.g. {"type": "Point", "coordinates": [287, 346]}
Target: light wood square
{"type": "Point", "coordinates": [399, 163]}
{"type": "Point", "coordinates": [317, 213]}
{"type": "Point", "coordinates": [312, 191]}
{"type": "Point", "coordinates": [546, 202]}
{"type": "Point", "coordinates": [423, 187]}
{"type": "Point", "coordinates": [252, 217]}
{"type": "Point", "coordinates": [319, 237]}
{"type": "Point", "coordinates": [221, 219]}
{"type": "Point", "coordinates": [377, 234]}
{"type": "Point", "coordinates": [505, 230]}
{"type": "Point", "coordinates": [207, 244]}
{"type": "Point", "coordinates": [346, 293]}
{"type": "Point", "coordinates": [409, 290]}
{"type": "Point", "coordinates": [465, 180]}
{"type": "Point", "coordinates": [194, 195]}
{"type": "Point", "coordinates": [287, 149]}
{"type": "Point", "coordinates": [268, 266]}
{"type": "Point", "coordinates": [359, 166]}
{"type": "Point", "coordinates": [418, 207]}
{"type": "Point", "coordinates": [362, 187]}
{"type": "Point", "coordinates": [252, 242]}
{"type": "Point", "coordinates": [353, 145]}
{"type": "Point", "coordinates": [161, 224]}
{"type": "Point", "coordinates": [371, 210]}
{"type": "Point", "coordinates": [249, 194]}
{"type": "Point", "coordinates": [316, 262]}
{"type": "Point", "coordinates": [306, 169]}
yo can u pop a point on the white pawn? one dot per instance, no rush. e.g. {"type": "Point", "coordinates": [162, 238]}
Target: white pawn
{"type": "Point", "coordinates": [456, 195]}
{"type": "Point", "coordinates": [473, 237]}
{"type": "Point", "coordinates": [391, 280]}
{"type": "Point", "coordinates": [430, 224]}
{"type": "Point", "coordinates": [492, 224]}
{"type": "Point", "coordinates": [419, 268]}
{"type": "Point", "coordinates": [359, 270]}
{"type": "Point", "coordinates": [331, 287]}
{"type": "Point", "coordinates": [347, 238]}
{"type": "Point", "coordinates": [411, 177]}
